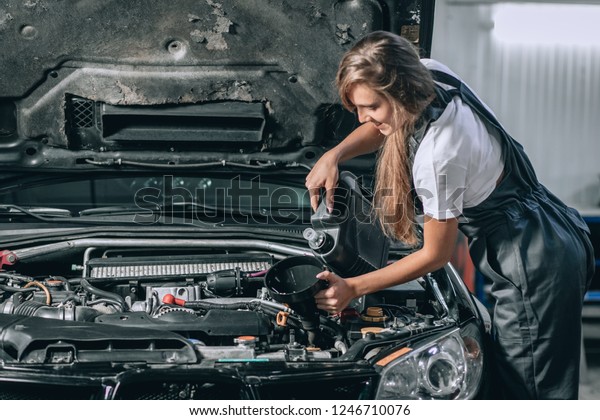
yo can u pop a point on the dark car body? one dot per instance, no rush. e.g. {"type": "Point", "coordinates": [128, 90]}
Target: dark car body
{"type": "Point", "coordinates": [152, 165]}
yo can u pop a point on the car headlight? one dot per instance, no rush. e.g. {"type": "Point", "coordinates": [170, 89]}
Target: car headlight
{"type": "Point", "coordinates": [450, 367]}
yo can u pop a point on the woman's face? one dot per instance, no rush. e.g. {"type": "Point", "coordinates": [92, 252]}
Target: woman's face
{"type": "Point", "coordinates": [373, 108]}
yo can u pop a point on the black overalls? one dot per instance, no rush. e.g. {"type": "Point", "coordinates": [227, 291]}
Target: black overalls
{"type": "Point", "coordinates": [538, 256]}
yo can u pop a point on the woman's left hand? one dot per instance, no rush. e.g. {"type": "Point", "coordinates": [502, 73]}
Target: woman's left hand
{"type": "Point", "coordinates": [337, 296]}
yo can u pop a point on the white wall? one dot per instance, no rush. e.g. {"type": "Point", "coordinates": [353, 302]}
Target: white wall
{"type": "Point", "coordinates": [543, 86]}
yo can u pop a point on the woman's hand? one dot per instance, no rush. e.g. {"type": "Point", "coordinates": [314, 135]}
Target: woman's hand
{"type": "Point", "coordinates": [337, 296]}
{"type": "Point", "coordinates": [323, 175]}
{"type": "Point", "coordinates": [366, 138]}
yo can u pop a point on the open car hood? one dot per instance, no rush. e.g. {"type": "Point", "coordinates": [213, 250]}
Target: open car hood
{"type": "Point", "coordinates": [87, 83]}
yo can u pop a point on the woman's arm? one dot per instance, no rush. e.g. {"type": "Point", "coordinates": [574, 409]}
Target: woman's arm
{"type": "Point", "coordinates": [364, 139]}
{"type": "Point", "coordinates": [439, 238]}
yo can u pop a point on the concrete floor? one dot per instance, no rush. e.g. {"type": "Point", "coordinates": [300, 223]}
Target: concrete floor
{"type": "Point", "coordinates": [589, 385]}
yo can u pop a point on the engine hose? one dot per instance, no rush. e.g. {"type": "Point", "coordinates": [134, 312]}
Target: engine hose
{"type": "Point", "coordinates": [38, 309]}
{"type": "Point", "coordinates": [41, 286]}
{"type": "Point", "coordinates": [275, 305]}
{"type": "Point", "coordinates": [359, 347]}
{"type": "Point", "coordinates": [199, 304]}
{"type": "Point", "coordinates": [103, 300]}
{"type": "Point", "coordinates": [340, 346]}
{"type": "Point", "coordinates": [253, 304]}
{"type": "Point", "coordinates": [15, 277]}
{"type": "Point", "coordinates": [312, 336]}
{"type": "Point", "coordinates": [28, 308]}
{"type": "Point", "coordinates": [118, 299]}
{"type": "Point", "coordinates": [16, 289]}
{"type": "Point", "coordinates": [328, 323]}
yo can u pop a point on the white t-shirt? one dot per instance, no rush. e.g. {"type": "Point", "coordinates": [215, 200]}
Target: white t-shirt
{"type": "Point", "coordinates": [458, 161]}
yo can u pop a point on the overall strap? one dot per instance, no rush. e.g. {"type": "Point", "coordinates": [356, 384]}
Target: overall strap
{"type": "Point", "coordinates": [433, 111]}
{"type": "Point", "coordinates": [468, 96]}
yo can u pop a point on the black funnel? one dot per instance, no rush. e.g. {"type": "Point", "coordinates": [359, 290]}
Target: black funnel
{"type": "Point", "coordinates": [293, 281]}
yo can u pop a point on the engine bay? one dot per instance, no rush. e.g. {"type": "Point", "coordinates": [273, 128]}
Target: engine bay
{"type": "Point", "coordinates": [217, 301]}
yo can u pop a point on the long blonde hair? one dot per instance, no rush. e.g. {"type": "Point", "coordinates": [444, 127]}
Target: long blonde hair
{"type": "Point", "coordinates": [389, 64]}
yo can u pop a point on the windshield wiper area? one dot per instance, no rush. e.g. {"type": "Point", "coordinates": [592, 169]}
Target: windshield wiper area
{"type": "Point", "coordinates": [12, 210]}
{"type": "Point", "coordinates": [190, 213]}
{"type": "Point", "coordinates": [178, 213]}
{"type": "Point", "coordinates": [150, 213]}
{"type": "Point", "coordinates": [258, 165]}
{"type": "Point", "coordinates": [50, 215]}
{"type": "Point", "coordinates": [115, 210]}
{"type": "Point", "coordinates": [186, 213]}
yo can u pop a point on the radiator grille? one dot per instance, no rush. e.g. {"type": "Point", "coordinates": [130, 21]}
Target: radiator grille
{"type": "Point", "coordinates": [319, 389]}
{"type": "Point", "coordinates": [180, 391]}
{"type": "Point", "coordinates": [21, 391]}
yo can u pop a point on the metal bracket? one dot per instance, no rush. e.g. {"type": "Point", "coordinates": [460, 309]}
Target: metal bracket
{"type": "Point", "coordinates": [7, 258]}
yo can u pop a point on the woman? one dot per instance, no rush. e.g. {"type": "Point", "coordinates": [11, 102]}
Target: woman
{"type": "Point", "coordinates": [433, 132]}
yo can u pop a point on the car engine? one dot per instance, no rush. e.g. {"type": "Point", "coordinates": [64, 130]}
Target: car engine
{"type": "Point", "coordinates": [218, 302]}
